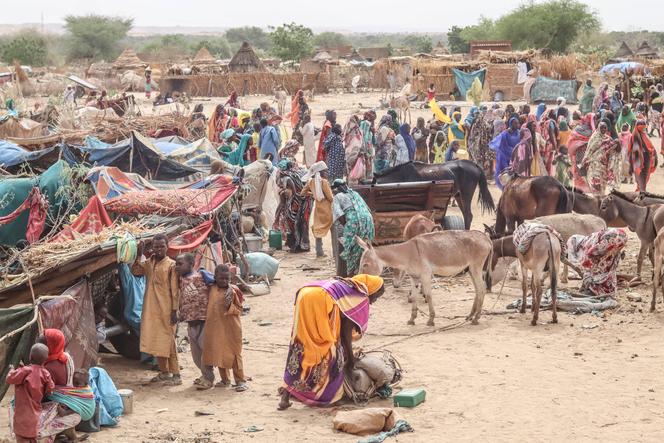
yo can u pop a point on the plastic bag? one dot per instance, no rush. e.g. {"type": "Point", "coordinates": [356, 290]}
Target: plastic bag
{"type": "Point", "coordinates": [358, 170]}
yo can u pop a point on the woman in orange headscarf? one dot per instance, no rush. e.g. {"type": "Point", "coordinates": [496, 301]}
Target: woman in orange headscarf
{"type": "Point", "coordinates": [327, 312]}
{"type": "Point", "coordinates": [642, 155]}
{"type": "Point", "coordinates": [217, 123]}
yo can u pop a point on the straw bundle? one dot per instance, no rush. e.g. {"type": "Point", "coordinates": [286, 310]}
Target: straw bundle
{"type": "Point", "coordinates": [41, 257]}
{"type": "Point", "coordinates": [561, 67]}
{"type": "Point", "coordinates": [112, 129]}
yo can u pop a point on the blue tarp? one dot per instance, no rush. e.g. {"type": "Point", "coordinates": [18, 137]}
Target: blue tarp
{"type": "Point", "coordinates": [106, 395]}
{"type": "Point", "coordinates": [133, 289]}
{"type": "Point", "coordinates": [145, 157]}
{"type": "Point", "coordinates": [548, 90]}
{"type": "Point", "coordinates": [464, 80]}
{"type": "Point", "coordinates": [13, 155]}
{"type": "Point", "coordinates": [623, 67]}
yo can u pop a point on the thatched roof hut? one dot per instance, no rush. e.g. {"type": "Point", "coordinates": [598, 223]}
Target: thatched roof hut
{"type": "Point", "coordinates": [204, 62]}
{"type": "Point", "coordinates": [129, 61]}
{"type": "Point", "coordinates": [646, 51]}
{"type": "Point", "coordinates": [624, 51]}
{"type": "Point", "coordinates": [246, 60]}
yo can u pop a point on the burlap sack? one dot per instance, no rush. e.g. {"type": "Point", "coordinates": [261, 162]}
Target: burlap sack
{"type": "Point", "coordinates": [365, 421]}
{"type": "Point", "coordinates": [378, 368]}
{"type": "Point", "coordinates": [360, 381]}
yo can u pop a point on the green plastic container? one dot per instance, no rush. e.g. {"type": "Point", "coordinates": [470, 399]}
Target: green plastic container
{"type": "Point", "coordinates": [274, 239]}
{"type": "Point", "coordinates": [409, 398]}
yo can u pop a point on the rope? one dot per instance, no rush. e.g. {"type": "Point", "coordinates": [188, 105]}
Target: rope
{"type": "Point", "coordinates": [36, 317]}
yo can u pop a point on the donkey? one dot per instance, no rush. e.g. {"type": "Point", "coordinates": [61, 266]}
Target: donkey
{"type": "Point", "coordinates": [544, 254]}
{"type": "Point", "coordinates": [657, 265]}
{"type": "Point", "coordinates": [646, 221]}
{"type": "Point", "coordinates": [424, 255]}
{"type": "Point", "coordinates": [403, 105]}
{"type": "Point", "coordinates": [419, 224]}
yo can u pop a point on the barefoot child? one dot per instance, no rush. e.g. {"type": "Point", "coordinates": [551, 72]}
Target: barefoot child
{"type": "Point", "coordinates": [31, 384]}
{"type": "Point", "coordinates": [222, 345]}
{"type": "Point", "coordinates": [194, 294]}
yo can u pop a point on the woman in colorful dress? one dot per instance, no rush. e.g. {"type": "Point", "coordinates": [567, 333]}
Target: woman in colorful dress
{"type": "Point", "coordinates": [292, 213]}
{"type": "Point", "coordinates": [354, 144]}
{"type": "Point", "coordinates": [642, 155]}
{"type": "Point", "coordinates": [335, 154]}
{"type": "Point", "coordinates": [368, 141]}
{"type": "Point", "coordinates": [352, 217]}
{"type": "Point", "coordinates": [599, 159]}
{"type": "Point", "coordinates": [320, 354]}
{"type": "Point", "coordinates": [503, 145]}
{"type": "Point", "coordinates": [576, 148]}
{"type": "Point", "coordinates": [598, 255]}
{"type": "Point", "coordinates": [217, 124]}
{"type": "Point", "coordinates": [384, 144]}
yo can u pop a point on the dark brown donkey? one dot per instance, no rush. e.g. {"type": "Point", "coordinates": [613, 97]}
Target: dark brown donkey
{"type": "Point", "coordinates": [525, 198]}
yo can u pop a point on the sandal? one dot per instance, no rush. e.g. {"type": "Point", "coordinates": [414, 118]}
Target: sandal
{"type": "Point", "coordinates": [222, 384]}
{"type": "Point", "coordinates": [162, 376]}
{"type": "Point", "coordinates": [241, 387]}
{"type": "Point", "coordinates": [175, 380]}
{"type": "Point", "coordinates": [198, 381]}
{"type": "Point", "coordinates": [204, 384]}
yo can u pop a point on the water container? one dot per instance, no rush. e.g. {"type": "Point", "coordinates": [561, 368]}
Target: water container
{"type": "Point", "coordinates": [274, 240]}
{"type": "Point", "coordinates": [127, 396]}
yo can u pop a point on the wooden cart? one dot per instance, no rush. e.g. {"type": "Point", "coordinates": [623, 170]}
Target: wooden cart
{"type": "Point", "coordinates": [393, 205]}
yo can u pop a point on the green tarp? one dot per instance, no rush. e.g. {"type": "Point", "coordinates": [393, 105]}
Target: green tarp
{"type": "Point", "coordinates": [15, 348]}
{"type": "Point", "coordinates": [14, 191]}
{"type": "Point", "coordinates": [548, 90]}
{"type": "Point", "coordinates": [464, 80]}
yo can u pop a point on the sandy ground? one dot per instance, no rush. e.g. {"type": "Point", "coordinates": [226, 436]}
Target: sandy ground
{"type": "Point", "coordinates": [587, 378]}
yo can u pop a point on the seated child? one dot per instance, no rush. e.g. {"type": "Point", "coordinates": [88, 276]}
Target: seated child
{"type": "Point", "coordinates": [452, 151]}
{"type": "Point", "coordinates": [31, 384]}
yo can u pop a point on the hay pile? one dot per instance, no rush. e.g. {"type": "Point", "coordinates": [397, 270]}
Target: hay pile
{"type": "Point", "coordinates": [112, 129]}
{"type": "Point", "coordinates": [507, 57]}
{"type": "Point", "coordinates": [562, 67]}
{"type": "Point", "coordinates": [41, 257]}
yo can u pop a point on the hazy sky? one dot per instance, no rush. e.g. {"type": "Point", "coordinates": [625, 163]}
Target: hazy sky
{"type": "Point", "coordinates": [353, 15]}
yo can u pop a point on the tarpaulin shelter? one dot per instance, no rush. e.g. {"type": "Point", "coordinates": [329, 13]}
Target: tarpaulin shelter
{"type": "Point", "coordinates": [73, 314]}
{"type": "Point", "coordinates": [548, 90]}
{"type": "Point", "coordinates": [15, 191]}
{"type": "Point", "coordinates": [135, 154]}
{"type": "Point", "coordinates": [16, 347]}
{"type": "Point", "coordinates": [464, 80]}
{"type": "Point", "coordinates": [625, 68]}
{"type": "Point", "coordinates": [110, 182]}
{"type": "Point", "coordinates": [12, 155]}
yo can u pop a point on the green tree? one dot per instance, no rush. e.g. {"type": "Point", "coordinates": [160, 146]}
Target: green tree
{"type": "Point", "coordinates": [455, 42]}
{"type": "Point", "coordinates": [419, 43]}
{"type": "Point", "coordinates": [95, 36]}
{"type": "Point", "coordinates": [257, 37]}
{"type": "Point", "coordinates": [218, 47]}
{"type": "Point", "coordinates": [292, 42]}
{"type": "Point", "coordinates": [330, 40]}
{"type": "Point", "coordinates": [170, 47]}
{"type": "Point", "coordinates": [28, 48]}
{"type": "Point", "coordinates": [555, 24]}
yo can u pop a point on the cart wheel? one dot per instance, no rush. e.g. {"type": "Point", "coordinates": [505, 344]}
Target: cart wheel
{"type": "Point", "coordinates": [453, 223]}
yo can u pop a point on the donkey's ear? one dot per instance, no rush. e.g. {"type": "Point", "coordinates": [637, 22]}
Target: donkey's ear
{"type": "Point", "coordinates": [362, 244]}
